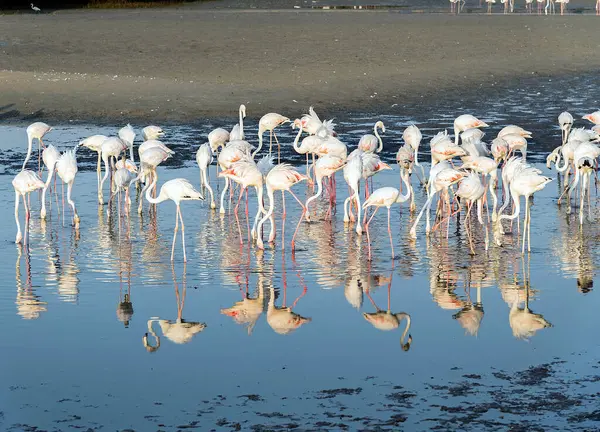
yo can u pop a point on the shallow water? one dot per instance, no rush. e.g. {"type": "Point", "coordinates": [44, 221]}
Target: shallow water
{"type": "Point", "coordinates": [75, 356]}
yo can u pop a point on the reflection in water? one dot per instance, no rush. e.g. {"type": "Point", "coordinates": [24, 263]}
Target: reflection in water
{"type": "Point", "coordinates": [282, 319]}
{"type": "Point", "coordinates": [523, 322]}
{"type": "Point", "coordinates": [387, 320]}
{"type": "Point", "coordinates": [125, 306]}
{"type": "Point", "coordinates": [29, 305]}
{"type": "Point", "coordinates": [68, 281]}
{"type": "Point", "coordinates": [179, 331]}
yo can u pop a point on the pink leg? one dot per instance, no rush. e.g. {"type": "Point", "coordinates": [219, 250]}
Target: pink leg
{"type": "Point", "coordinates": [300, 221]}
{"type": "Point", "coordinates": [390, 234]}
{"type": "Point", "coordinates": [368, 235]}
{"type": "Point", "coordinates": [239, 199]}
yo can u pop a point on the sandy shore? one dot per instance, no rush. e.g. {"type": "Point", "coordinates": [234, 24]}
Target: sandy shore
{"type": "Point", "coordinates": [176, 65]}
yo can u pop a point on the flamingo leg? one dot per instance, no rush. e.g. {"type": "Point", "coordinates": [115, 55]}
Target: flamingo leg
{"type": "Point", "coordinates": [182, 233]}
{"type": "Point", "coordinates": [175, 233]}
{"type": "Point", "coordinates": [390, 233]}
{"type": "Point", "coordinates": [368, 234]}
{"type": "Point", "coordinates": [278, 147]}
{"type": "Point", "coordinates": [300, 221]}
{"type": "Point", "coordinates": [19, 235]}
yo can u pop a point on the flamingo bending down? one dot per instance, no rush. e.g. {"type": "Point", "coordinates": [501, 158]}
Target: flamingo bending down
{"type": "Point", "coordinates": [372, 143]}
{"type": "Point", "coordinates": [94, 143]}
{"type": "Point", "coordinates": [50, 156]}
{"type": "Point", "coordinates": [149, 160]}
{"type": "Point", "coordinates": [66, 168]}
{"type": "Point", "coordinates": [127, 134]}
{"type": "Point", "coordinates": [488, 167]}
{"type": "Point", "coordinates": [217, 139]}
{"type": "Point", "coordinates": [176, 190]}
{"type": "Point", "coordinates": [269, 122]}
{"type": "Point", "coordinates": [204, 158]}
{"type": "Point", "coordinates": [111, 148]}
{"type": "Point", "coordinates": [325, 167]}
{"type": "Point", "coordinates": [37, 131]}
{"type": "Point", "coordinates": [405, 160]}
{"type": "Point", "coordinates": [385, 197]}
{"type": "Point", "coordinates": [234, 151]}
{"type": "Point", "coordinates": [464, 122]}
{"type": "Point", "coordinates": [280, 177]}
{"type": "Point", "coordinates": [565, 121]}
{"type": "Point", "coordinates": [24, 183]}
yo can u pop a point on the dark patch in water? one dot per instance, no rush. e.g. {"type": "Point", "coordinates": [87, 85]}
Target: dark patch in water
{"type": "Point", "coordinates": [329, 394]}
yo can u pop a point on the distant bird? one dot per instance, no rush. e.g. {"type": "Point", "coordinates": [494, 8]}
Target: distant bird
{"type": "Point", "coordinates": [94, 143]}
{"type": "Point", "coordinates": [37, 131]}
{"type": "Point", "coordinates": [66, 168]}
{"type": "Point", "coordinates": [176, 190]}
{"type": "Point", "coordinates": [269, 122]}
{"type": "Point", "coordinates": [24, 183]}
{"type": "Point", "coordinates": [386, 197]}
{"type": "Point", "coordinates": [35, 8]}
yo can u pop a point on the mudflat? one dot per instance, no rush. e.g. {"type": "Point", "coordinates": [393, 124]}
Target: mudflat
{"type": "Point", "coordinates": [183, 64]}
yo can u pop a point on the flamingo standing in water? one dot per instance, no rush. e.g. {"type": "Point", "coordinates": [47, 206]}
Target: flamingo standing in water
{"type": "Point", "coordinates": [37, 131]}
{"type": "Point", "coordinates": [549, 6]}
{"type": "Point", "coordinates": [412, 136]}
{"type": "Point", "coordinates": [149, 160]}
{"type": "Point", "coordinates": [94, 143]}
{"type": "Point", "coordinates": [565, 121]}
{"type": "Point", "coordinates": [405, 159]}
{"type": "Point", "coordinates": [237, 131]}
{"type": "Point", "coordinates": [24, 183]}
{"type": "Point", "coordinates": [124, 177]}
{"type": "Point", "coordinates": [281, 177]}
{"type": "Point", "coordinates": [50, 156]}
{"type": "Point", "coordinates": [269, 122]}
{"type": "Point", "coordinates": [66, 168]}
{"type": "Point", "coordinates": [127, 134]}
{"type": "Point", "coordinates": [385, 197]}
{"type": "Point", "coordinates": [204, 158]}
{"type": "Point", "coordinates": [325, 167]}
{"type": "Point", "coordinates": [353, 172]}
{"type": "Point", "coordinates": [111, 148]}
{"type": "Point", "coordinates": [525, 182]}
{"type": "Point", "coordinates": [176, 190]}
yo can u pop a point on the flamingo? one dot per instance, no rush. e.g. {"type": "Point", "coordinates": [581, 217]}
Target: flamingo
{"type": "Point", "coordinates": [516, 142]}
{"type": "Point", "coordinates": [66, 168]}
{"type": "Point", "coordinates": [217, 138]}
{"type": "Point", "coordinates": [269, 122]}
{"type": "Point", "coordinates": [37, 131]}
{"type": "Point", "coordinates": [147, 145]}
{"type": "Point", "coordinates": [24, 183]}
{"type": "Point", "coordinates": [490, 3]}
{"type": "Point", "coordinates": [488, 167]}
{"type": "Point", "coordinates": [523, 322]}
{"type": "Point", "coordinates": [312, 125]}
{"type": "Point", "coordinates": [248, 310]}
{"type": "Point", "coordinates": [471, 190]}
{"type": "Point", "coordinates": [237, 132]}
{"type": "Point", "coordinates": [176, 190]}
{"type": "Point", "coordinates": [386, 197]}
{"type": "Point", "coordinates": [442, 148]}
{"type": "Point", "coordinates": [124, 176]}
{"type": "Point", "coordinates": [372, 143]}
{"type": "Point", "coordinates": [50, 156]}
{"type": "Point", "coordinates": [563, 5]}
{"type": "Point", "coordinates": [127, 134]}
{"type": "Point", "coordinates": [412, 136]}
{"type": "Point", "coordinates": [309, 144]}
{"type": "Point", "coordinates": [499, 149]}
{"type": "Point", "coordinates": [525, 183]}
{"type": "Point", "coordinates": [111, 147]}
{"type": "Point", "coordinates": [204, 158]}
{"type": "Point", "coordinates": [514, 130]}
{"type": "Point", "coordinates": [565, 121]}
{"type": "Point", "coordinates": [152, 133]}
{"type": "Point", "coordinates": [439, 180]}
{"type": "Point", "coordinates": [353, 172]}
{"type": "Point", "coordinates": [280, 177]}
{"type": "Point", "coordinates": [35, 8]}
{"type": "Point", "coordinates": [464, 122]}
{"type": "Point", "coordinates": [325, 167]}
{"type": "Point", "coordinates": [592, 117]}
{"type": "Point", "coordinates": [405, 159]}
{"type": "Point", "coordinates": [372, 164]}
{"type": "Point", "coordinates": [549, 6]}
{"type": "Point", "coordinates": [94, 143]}
{"type": "Point", "coordinates": [234, 151]}
{"type": "Point", "coordinates": [149, 160]}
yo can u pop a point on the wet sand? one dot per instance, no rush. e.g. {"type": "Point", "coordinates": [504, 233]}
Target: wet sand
{"type": "Point", "coordinates": [183, 64]}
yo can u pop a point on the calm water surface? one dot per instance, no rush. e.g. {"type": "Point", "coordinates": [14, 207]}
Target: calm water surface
{"type": "Point", "coordinates": [74, 356]}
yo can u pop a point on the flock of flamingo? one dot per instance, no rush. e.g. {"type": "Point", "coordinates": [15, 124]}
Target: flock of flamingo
{"type": "Point", "coordinates": [543, 6]}
{"type": "Point", "coordinates": [475, 182]}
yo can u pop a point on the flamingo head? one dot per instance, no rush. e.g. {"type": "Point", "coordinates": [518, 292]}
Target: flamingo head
{"type": "Point", "coordinates": [380, 125]}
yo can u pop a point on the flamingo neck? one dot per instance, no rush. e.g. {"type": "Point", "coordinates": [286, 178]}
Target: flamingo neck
{"type": "Point", "coordinates": [241, 123]}
{"type": "Point", "coordinates": [160, 198]}
{"type": "Point", "coordinates": [517, 205]}
{"type": "Point", "coordinates": [404, 197]}
{"type": "Point", "coordinates": [378, 138]}
{"type": "Point", "coordinates": [29, 145]}
{"type": "Point", "coordinates": [296, 147]}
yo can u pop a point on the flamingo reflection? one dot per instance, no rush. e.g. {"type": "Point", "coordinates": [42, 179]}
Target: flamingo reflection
{"type": "Point", "coordinates": [29, 305]}
{"type": "Point", "coordinates": [178, 331]}
{"type": "Point", "coordinates": [387, 320]}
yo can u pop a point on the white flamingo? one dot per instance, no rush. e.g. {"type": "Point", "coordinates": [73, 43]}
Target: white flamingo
{"type": "Point", "coordinates": [204, 158]}
{"type": "Point", "coordinates": [37, 131]}
{"type": "Point", "coordinates": [24, 183]}
{"type": "Point", "coordinates": [94, 143]}
{"type": "Point", "coordinates": [66, 168]}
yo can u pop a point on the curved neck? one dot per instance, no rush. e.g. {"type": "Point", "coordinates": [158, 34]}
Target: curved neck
{"type": "Point", "coordinates": [267, 215]}
{"type": "Point", "coordinates": [565, 166]}
{"type": "Point", "coordinates": [517, 208]}
{"type": "Point", "coordinates": [378, 138]}
{"type": "Point", "coordinates": [149, 347]}
{"type": "Point", "coordinates": [318, 194]}
{"type": "Point", "coordinates": [260, 142]}
{"type": "Point", "coordinates": [405, 197]}
{"type": "Point", "coordinates": [29, 144]}
{"type": "Point", "coordinates": [400, 317]}
{"type": "Point", "coordinates": [160, 198]}
{"type": "Point", "coordinates": [241, 123]}
{"type": "Point", "coordinates": [296, 147]}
